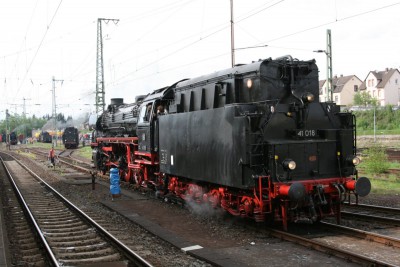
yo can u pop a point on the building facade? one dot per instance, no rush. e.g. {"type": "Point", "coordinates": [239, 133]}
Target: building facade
{"type": "Point", "coordinates": [384, 86]}
{"type": "Point", "coordinates": [344, 89]}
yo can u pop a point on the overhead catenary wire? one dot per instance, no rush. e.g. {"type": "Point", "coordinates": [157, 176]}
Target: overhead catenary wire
{"type": "Point", "coordinates": [80, 72]}
{"type": "Point", "coordinates": [37, 51]}
{"type": "Point", "coordinates": [265, 42]}
{"type": "Point", "coordinates": [24, 39]}
{"type": "Point", "coordinates": [225, 26]}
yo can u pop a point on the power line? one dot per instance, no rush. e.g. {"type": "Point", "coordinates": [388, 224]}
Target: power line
{"type": "Point", "coordinates": [259, 44]}
{"type": "Point", "coordinates": [331, 22]}
{"type": "Point", "coordinates": [40, 45]}
{"type": "Point", "coordinates": [24, 41]}
{"type": "Point", "coordinates": [173, 68]}
{"type": "Point", "coordinates": [242, 18]}
{"type": "Point", "coordinates": [251, 15]}
{"type": "Point", "coordinates": [214, 30]}
{"type": "Point", "coordinates": [194, 42]}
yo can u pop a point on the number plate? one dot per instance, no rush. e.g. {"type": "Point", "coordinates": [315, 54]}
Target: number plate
{"type": "Point", "coordinates": [303, 133]}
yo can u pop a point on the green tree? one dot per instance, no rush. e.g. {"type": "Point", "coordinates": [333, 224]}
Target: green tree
{"type": "Point", "coordinates": [364, 99]}
{"type": "Point", "coordinates": [21, 125]}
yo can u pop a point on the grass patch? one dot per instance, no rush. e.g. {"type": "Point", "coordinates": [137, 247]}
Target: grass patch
{"type": "Point", "coordinates": [44, 145]}
{"type": "Point", "coordinates": [377, 132]}
{"type": "Point", "coordinates": [85, 152]}
{"type": "Point", "coordinates": [394, 164]}
{"type": "Point", "coordinates": [376, 160]}
{"type": "Point", "coordinates": [27, 154]}
{"type": "Point", "coordinates": [388, 185]}
{"type": "Point", "coordinates": [384, 184]}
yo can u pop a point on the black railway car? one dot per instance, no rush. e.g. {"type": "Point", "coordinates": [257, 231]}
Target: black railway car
{"type": "Point", "coordinates": [253, 140]}
{"type": "Point", "coordinates": [45, 137]}
{"type": "Point", "coordinates": [70, 137]}
{"type": "Point", "coordinates": [13, 138]}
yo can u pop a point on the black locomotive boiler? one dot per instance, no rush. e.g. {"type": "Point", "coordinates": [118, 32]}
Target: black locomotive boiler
{"type": "Point", "coordinates": [70, 137]}
{"type": "Point", "coordinates": [253, 140]}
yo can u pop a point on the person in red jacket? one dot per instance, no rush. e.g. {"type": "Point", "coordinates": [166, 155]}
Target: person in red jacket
{"type": "Point", "coordinates": [52, 155]}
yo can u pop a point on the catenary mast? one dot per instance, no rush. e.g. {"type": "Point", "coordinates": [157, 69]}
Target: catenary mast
{"type": "Point", "coordinates": [100, 90]}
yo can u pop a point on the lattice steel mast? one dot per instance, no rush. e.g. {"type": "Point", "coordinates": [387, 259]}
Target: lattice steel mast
{"type": "Point", "coordinates": [100, 90]}
{"type": "Point", "coordinates": [329, 64]}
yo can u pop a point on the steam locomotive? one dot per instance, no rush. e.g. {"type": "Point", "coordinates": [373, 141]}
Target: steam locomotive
{"type": "Point", "coordinates": [45, 137]}
{"type": "Point", "coordinates": [253, 139]}
{"type": "Point", "coordinates": [70, 137]}
{"type": "Point", "coordinates": [13, 138]}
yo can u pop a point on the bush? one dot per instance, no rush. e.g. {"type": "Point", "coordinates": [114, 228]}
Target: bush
{"type": "Point", "coordinates": [386, 119]}
{"type": "Point", "coordinates": [376, 161]}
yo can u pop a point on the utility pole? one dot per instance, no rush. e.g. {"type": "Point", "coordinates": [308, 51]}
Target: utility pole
{"type": "Point", "coordinates": [328, 52]}
{"type": "Point", "coordinates": [232, 37]}
{"type": "Point", "coordinates": [24, 107]}
{"type": "Point", "coordinates": [55, 110]}
{"type": "Point", "coordinates": [24, 117]}
{"type": "Point", "coordinates": [100, 90]}
{"type": "Point", "coordinates": [329, 64]}
{"type": "Point", "coordinates": [7, 130]}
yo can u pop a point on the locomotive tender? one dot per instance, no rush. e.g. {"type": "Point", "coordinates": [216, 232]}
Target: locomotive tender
{"type": "Point", "coordinates": [253, 139]}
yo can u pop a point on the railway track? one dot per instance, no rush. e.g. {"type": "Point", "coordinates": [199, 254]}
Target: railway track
{"type": "Point", "coordinates": [339, 245]}
{"type": "Point", "coordinates": [23, 240]}
{"type": "Point", "coordinates": [393, 154]}
{"type": "Point", "coordinates": [75, 168]}
{"type": "Point", "coordinates": [372, 213]}
{"type": "Point", "coordinates": [345, 243]}
{"type": "Point", "coordinates": [68, 236]}
{"type": "Point", "coordinates": [394, 171]}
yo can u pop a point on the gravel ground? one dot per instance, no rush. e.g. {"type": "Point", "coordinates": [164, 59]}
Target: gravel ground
{"type": "Point", "coordinates": [389, 141]}
{"type": "Point", "coordinates": [382, 200]}
{"type": "Point", "coordinates": [153, 249]}
{"type": "Point", "coordinates": [156, 251]}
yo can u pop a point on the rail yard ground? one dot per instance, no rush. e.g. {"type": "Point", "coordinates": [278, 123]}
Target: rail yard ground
{"type": "Point", "coordinates": [388, 141]}
{"type": "Point", "coordinates": [380, 190]}
{"type": "Point", "coordinates": [381, 193]}
{"type": "Point", "coordinates": [223, 236]}
{"type": "Point", "coordinates": [220, 229]}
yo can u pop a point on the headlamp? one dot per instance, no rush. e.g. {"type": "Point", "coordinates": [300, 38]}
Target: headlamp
{"type": "Point", "coordinates": [289, 164]}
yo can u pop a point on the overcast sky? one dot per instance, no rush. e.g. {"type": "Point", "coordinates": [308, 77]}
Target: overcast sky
{"type": "Point", "coordinates": [158, 42]}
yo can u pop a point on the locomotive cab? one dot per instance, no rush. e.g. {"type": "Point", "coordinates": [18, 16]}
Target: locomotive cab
{"type": "Point", "coordinates": [147, 128]}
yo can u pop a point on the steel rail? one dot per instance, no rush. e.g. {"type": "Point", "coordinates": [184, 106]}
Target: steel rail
{"type": "Point", "coordinates": [131, 255]}
{"type": "Point", "coordinates": [328, 249]}
{"type": "Point", "coordinates": [319, 246]}
{"type": "Point", "coordinates": [29, 214]}
{"type": "Point", "coordinates": [381, 219]}
{"type": "Point", "coordinates": [374, 237]}
{"type": "Point", "coordinates": [76, 167]}
{"type": "Point", "coordinates": [374, 207]}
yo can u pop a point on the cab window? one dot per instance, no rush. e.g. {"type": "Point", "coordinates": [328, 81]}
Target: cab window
{"type": "Point", "coordinates": [145, 112]}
